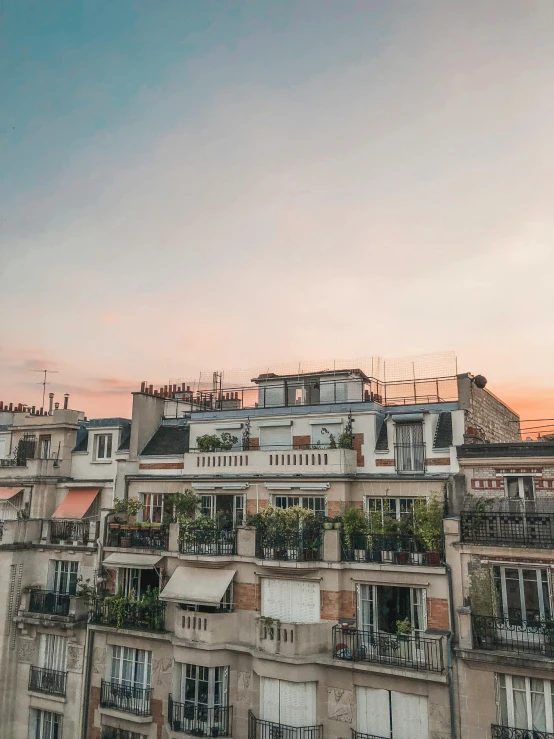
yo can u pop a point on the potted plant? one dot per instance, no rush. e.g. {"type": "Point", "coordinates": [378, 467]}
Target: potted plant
{"type": "Point", "coordinates": [355, 531]}
{"type": "Point", "coordinates": [404, 629]}
{"type": "Point", "coordinates": [428, 526]}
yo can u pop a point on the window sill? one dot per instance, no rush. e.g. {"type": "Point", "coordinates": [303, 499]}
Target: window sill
{"type": "Point", "coordinates": [101, 461]}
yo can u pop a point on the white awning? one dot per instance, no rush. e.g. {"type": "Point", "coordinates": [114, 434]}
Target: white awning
{"type": "Point", "coordinates": [138, 561]}
{"type": "Point", "coordinates": [197, 585]}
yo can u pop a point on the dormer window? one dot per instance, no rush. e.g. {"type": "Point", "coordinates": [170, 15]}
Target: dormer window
{"type": "Point", "coordinates": [102, 447]}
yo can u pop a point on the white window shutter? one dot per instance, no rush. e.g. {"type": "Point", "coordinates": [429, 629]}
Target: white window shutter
{"type": "Point", "coordinates": [269, 699]}
{"type": "Point", "coordinates": [410, 719]}
{"type": "Point", "coordinates": [291, 601]}
{"type": "Point", "coordinates": [373, 712]}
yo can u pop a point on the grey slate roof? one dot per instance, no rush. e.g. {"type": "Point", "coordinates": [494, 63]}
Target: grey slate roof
{"type": "Point", "coordinates": [508, 449]}
{"type": "Point", "coordinates": [443, 433]}
{"type": "Point", "coordinates": [125, 440]}
{"type": "Point", "coordinates": [382, 444]}
{"type": "Point", "coordinates": [168, 440]}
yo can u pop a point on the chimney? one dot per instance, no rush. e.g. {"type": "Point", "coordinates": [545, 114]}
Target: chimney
{"type": "Point", "coordinates": [51, 403]}
{"type": "Point", "coordinates": [142, 386]}
{"type": "Point", "coordinates": [65, 401]}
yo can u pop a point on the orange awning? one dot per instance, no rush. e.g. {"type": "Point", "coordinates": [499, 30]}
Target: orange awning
{"type": "Point", "coordinates": [7, 493]}
{"type": "Point", "coordinates": [76, 503]}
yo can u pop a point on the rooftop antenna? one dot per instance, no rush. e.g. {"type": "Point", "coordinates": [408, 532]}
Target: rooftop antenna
{"type": "Point", "coordinates": [44, 383]}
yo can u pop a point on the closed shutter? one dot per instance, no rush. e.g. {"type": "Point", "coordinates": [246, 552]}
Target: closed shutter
{"type": "Point", "coordinates": [373, 712]}
{"type": "Point", "coordinates": [291, 704]}
{"type": "Point", "coordinates": [278, 438]}
{"type": "Point", "coordinates": [410, 718]}
{"type": "Point", "coordinates": [291, 601]}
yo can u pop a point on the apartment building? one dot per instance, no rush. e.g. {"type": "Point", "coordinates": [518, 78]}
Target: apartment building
{"type": "Point", "coordinates": [502, 563]}
{"type": "Point", "coordinates": [238, 622]}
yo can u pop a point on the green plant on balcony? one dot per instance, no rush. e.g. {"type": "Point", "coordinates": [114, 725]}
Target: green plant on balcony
{"type": "Point", "coordinates": [404, 627]}
{"type": "Point", "coordinates": [127, 506]}
{"type": "Point", "coordinates": [185, 505]}
{"type": "Point", "coordinates": [428, 525]}
{"type": "Point", "coordinates": [215, 443]}
{"type": "Point", "coordinates": [346, 438]}
{"type": "Point", "coordinates": [354, 522]}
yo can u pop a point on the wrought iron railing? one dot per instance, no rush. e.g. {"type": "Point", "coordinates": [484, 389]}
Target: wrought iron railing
{"type": "Point", "coordinates": [361, 735]}
{"type": "Point", "coordinates": [402, 650]}
{"type": "Point", "coordinates": [45, 601]}
{"type": "Point", "coordinates": [261, 729]}
{"type": "Point", "coordinates": [43, 680]}
{"type": "Point", "coordinates": [207, 541]}
{"type": "Point", "coordinates": [143, 537]}
{"type": "Point", "coordinates": [198, 720]}
{"type": "Point", "coordinates": [506, 732]}
{"type": "Point", "coordinates": [125, 614]}
{"type": "Point", "coordinates": [123, 697]}
{"type": "Point", "coordinates": [515, 528]}
{"type": "Point", "coordinates": [398, 550]}
{"type": "Point", "coordinates": [304, 545]}
{"type": "Point", "coordinates": [409, 457]}
{"type": "Point", "coordinates": [508, 634]}
{"type": "Point", "coordinates": [71, 531]}
{"type": "Point", "coordinates": [110, 732]}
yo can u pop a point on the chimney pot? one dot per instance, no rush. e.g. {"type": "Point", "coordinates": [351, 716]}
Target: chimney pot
{"type": "Point", "coordinates": [51, 403]}
{"type": "Point", "coordinates": [151, 389]}
{"type": "Point", "coordinates": [11, 407]}
{"type": "Point", "coordinates": [56, 406]}
{"type": "Point", "coordinates": [142, 386]}
{"type": "Point", "coordinates": [65, 400]}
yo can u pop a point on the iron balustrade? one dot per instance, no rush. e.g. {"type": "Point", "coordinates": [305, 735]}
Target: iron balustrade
{"type": "Point", "coordinates": [402, 650]}
{"type": "Point", "coordinates": [46, 601]}
{"type": "Point", "coordinates": [123, 697]}
{"type": "Point", "coordinates": [515, 528]}
{"type": "Point", "coordinates": [43, 680]}
{"type": "Point", "coordinates": [409, 457]}
{"type": "Point", "coordinates": [512, 634]}
{"type": "Point", "coordinates": [71, 531]}
{"type": "Point", "coordinates": [199, 720]}
{"type": "Point", "coordinates": [361, 735]}
{"type": "Point", "coordinates": [304, 545]}
{"type": "Point", "coordinates": [143, 537]}
{"type": "Point", "coordinates": [507, 732]}
{"type": "Point", "coordinates": [128, 614]}
{"type": "Point", "coordinates": [261, 729]}
{"type": "Point", "coordinates": [110, 732]}
{"type": "Point", "coordinates": [220, 542]}
{"type": "Point", "coordinates": [398, 550]}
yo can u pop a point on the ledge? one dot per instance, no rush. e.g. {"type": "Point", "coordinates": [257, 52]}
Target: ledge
{"type": "Point", "coordinates": [48, 696]}
{"type": "Point", "coordinates": [506, 659]}
{"type": "Point", "coordinates": [125, 716]}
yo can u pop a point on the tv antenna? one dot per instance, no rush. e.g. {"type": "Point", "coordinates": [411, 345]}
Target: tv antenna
{"type": "Point", "coordinates": [44, 383]}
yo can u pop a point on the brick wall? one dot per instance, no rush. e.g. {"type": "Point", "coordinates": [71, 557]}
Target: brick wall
{"type": "Point", "coordinates": [301, 442]}
{"type": "Point", "coordinates": [437, 613]}
{"type": "Point", "coordinates": [487, 415]}
{"type": "Point", "coordinates": [254, 443]}
{"type": "Point", "coordinates": [94, 703]}
{"type": "Point", "coordinates": [157, 708]}
{"type": "Point", "coordinates": [246, 596]}
{"type": "Point", "coordinates": [251, 505]}
{"type": "Point", "coordinates": [162, 466]}
{"type": "Point", "coordinates": [337, 604]}
{"type": "Point", "coordinates": [358, 440]}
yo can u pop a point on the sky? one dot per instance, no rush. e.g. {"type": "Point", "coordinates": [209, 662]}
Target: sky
{"type": "Point", "coordinates": [192, 185]}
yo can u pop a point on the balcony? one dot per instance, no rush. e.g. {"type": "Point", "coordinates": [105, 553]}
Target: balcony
{"type": "Point", "coordinates": [142, 537]}
{"type": "Point", "coordinates": [393, 650]}
{"type": "Point", "coordinates": [259, 462]}
{"type": "Point", "coordinates": [304, 545]}
{"type": "Point", "coordinates": [513, 635]}
{"type": "Point", "coordinates": [260, 729]}
{"type": "Point", "coordinates": [125, 614]}
{"type": "Point", "coordinates": [505, 732]}
{"type": "Point", "coordinates": [509, 528]}
{"type": "Point", "coordinates": [409, 458]}
{"type": "Point", "coordinates": [397, 550]}
{"type": "Point", "coordinates": [47, 602]}
{"type": "Point", "coordinates": [127, 698]}
{"type": "Point", "coordinates": [293, 640]}
{"type": "Point", "coordinates": [42, 680]}
{"type": "Point", "coordinates": [361, 735]}
{"type": "Point", "coordinates": [75, 533]}
{"type": "Point", "coordinates": [109, 732]}
{"type": "Point", "coordinates": [199, 720]}
{"type": "Point", "coordinates": [207, 541]}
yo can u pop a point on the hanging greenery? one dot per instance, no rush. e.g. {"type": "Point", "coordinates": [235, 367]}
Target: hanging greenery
{"type": "Point", "coordinates": [214, 443]}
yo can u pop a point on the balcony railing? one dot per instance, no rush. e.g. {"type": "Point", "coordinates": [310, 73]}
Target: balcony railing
{"type": "Point", "coordinates": [506, 732]}
{"type": "Point", "coordinates": [128, 614]}
{"type": "Point", "coordinates": [398, 550]}
{"type": "Point", "coordinates": [508, 528]}
{"type": "Point", "coordinates": [513, 635]}
{"type": "Point", "coordinates": [45, 601]}
{"type": "Point", "coordinates": [72, 531]}
{"type": "Point", "coordinates": [409, 457]}
{"type": "Point", "coordinates": [295, 546]}
{"type": "Point", "coordinates": [260, 729]}
{"type": "Point", "coordinates": [198, 720]}
{"type": "Point", "coordinates": [128, 698]}
{"type": "Point", "coordinates": [43, 680]}
{"type": "Point", "coordinates": [361, 735]}
{"type": "Point", "coordinates": [152, 537]}
{"type": "Point", "coordinates": [109, 732]}
{"type": "Point", "coordinates": [206, 541]}
{"type": "Point", "coordinates": [402, 650]}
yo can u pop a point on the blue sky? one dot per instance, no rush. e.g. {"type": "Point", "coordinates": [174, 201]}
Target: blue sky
{"type": "Point", "coordinates": [201, 184]}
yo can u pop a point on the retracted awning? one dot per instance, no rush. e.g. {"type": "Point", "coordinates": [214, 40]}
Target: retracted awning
{"type": "Point", "coordinates": [7, 493]}
{"type": "Point", "coordinates": [76, 503]}
{"type": "Point", "coordinates": [197, 585]}
{"type": "Point", "coordinates": [137, 561]}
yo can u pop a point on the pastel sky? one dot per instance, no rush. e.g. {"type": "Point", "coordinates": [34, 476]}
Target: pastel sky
{"type": "Point", "coordinates": [203, 184]}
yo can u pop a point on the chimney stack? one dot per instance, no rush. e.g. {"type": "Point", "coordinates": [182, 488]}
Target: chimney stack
{"type": "Point", "coordinates": [65, 401]}
{"type": "Point", "coordinates": [51, 404]}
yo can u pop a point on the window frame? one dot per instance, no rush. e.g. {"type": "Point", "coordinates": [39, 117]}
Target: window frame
{"type": "Point", "coordinates": [107, 450]}
{"type": "Point", "coordinates": [122, 656]}
{"type": "Point", "coordinates": [64, 572]}
{"type": "Point", "coordinates": [303, 501]}
{"type": "Point", "coordinates": [188, 673]}
{"type": "Point", "coordinates": [39, 717]}
{"type": "Point", "coordinates": [548, 694]}
{"type": "Point", "coordinates": [521, 487]}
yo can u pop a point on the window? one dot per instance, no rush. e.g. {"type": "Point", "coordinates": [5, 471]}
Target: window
{"type": "Point", "coordinates": [315, 503]}
{"type": "Point", "coordinates": [381, 606]}
{"type": "Point", "coordinates": [45, 725]}
{"type": "Point", "coordinates": [521, 488]}
{"type": "Point", "coordinates": [131, 667]}
{"type": "Point", "coordinates": [102, 446]}
{"type": "Point", "coordinates": [202, 686]}
{"type": "Point", "coordinates": [137, 581]}
{"type": "Point", "coordinates": [153, 510]}
{"type": "Point", "coordinates": [44, 442]}
{"type": "Point", "coordinates": [64, 576]}
{"type": "Point", "coordinates": [228, 510]}
{"type": "Point", "coordinates": [288, 703]}
{"type": "Point", "coordinates": [525, 703]}
{"type": "Point", "coordinates": [398, 508]}
{"type": "Point", "coordinates": [291, 601]}
{"type": "Point", "coordinates": [523, 593]}
{"type": "Point", "coordinates": [410, 449]}
{"type": "Point", "coordinates": [52, 652]}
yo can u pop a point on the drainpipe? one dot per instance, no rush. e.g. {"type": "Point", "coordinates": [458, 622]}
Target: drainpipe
{"type": "Point", "coordinates": [89, 645]}
{"type": "Point", "coordinates": [449, 655]}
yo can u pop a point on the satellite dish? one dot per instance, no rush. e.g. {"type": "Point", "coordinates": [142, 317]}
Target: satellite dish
{"type": "Point", "coordinates": [480, 381]}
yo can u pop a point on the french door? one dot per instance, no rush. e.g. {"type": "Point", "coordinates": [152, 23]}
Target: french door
{"type": "Point", "coordinates": [525, 703]}
{"type": "Point", "coordinates": [203, 691]}
{"type": "Point", "coordinates": [65, 577]}
{"type": "Point", "coordinates": [381, 606]}
{"type": "Point", "coordinates": [523, 593]}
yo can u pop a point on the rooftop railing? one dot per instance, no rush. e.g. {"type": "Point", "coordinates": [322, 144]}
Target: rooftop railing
{"type": "Point", "coordinates": [199, 720]}
{"type": "Point", "coordinates": [398, 550]}
{"type": "Point", "coordinates": [261, 729]}
{"type": "Point", "coordinates": [509, 634]}
{"type": "Point", "coordinates": [402, 650]}
{"type": "Point", "coordinates": [207, 541]}
{"type": "Point", "coordinates": [43, 680]}
{"type": "Point", "coordinates": [124, 697]}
